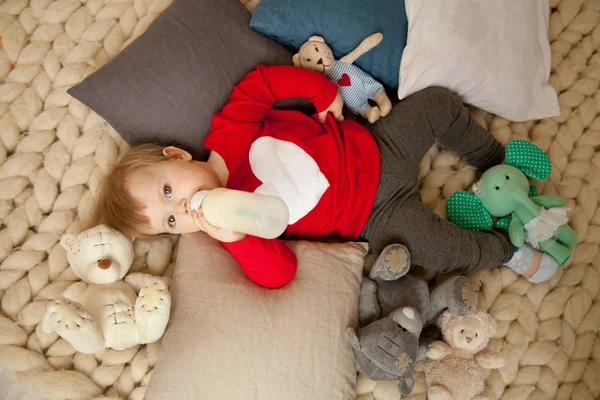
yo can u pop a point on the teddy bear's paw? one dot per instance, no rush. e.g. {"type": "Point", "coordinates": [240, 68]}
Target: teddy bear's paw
{"type": "Point", "coordinates": [152, 310]}
{"type": "Point", "coordinates": [437, 392]}
{"type": "Point", "coordinates": [490, 360]}
{"type": "Point", "coordinates": [392, 264]}
{"type": "Point", "coordinates": [368, 305]}
{"type": "Point", "coordinates": [437, 350]}
{"type": "Point", "coordinates": [152, 296]}
{"type": "Point", "coordinates": [69, 317]}
{"type": "Point", "coordinates": [74, 324]}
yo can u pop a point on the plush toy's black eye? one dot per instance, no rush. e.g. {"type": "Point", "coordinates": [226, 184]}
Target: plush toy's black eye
{"type": "Point", "coordinates": [507, 177]}
{"type": "Point", "coordinates": [308, 59]}
{"type": "Point", "coordinates": [497, 187]}
{"type": "Point", "coordinates": [462, 331]}
{"type": "Point", "coordinates": [475, 334]}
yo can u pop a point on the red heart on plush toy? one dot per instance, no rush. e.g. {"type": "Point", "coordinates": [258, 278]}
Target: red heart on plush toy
{"type": "Point", "coordinates": [344, 80]}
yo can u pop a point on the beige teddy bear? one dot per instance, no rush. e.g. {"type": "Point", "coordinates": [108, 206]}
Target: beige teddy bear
{"type": "Point", "coordinates": [454, 370]}
{"type": "Point", "coordinates": [103, 310]}
{"type": "Point", "coordinates": [355, 85]}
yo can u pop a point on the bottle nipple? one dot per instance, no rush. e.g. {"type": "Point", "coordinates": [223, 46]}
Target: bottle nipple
{"type": "Point", "coordinates": [196, 200]}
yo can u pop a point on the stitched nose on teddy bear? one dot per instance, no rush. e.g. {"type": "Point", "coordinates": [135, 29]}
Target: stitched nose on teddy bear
{"type": "Point", "coordinates": [104, 264]}
{"type": "Point", "coordinates": [469, 336]}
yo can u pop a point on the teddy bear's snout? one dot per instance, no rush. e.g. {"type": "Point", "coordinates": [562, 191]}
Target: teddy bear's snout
{"type": "Point", "coordinates": [468, 335]}
{"type": "Point", "coordinates": [104, 264]}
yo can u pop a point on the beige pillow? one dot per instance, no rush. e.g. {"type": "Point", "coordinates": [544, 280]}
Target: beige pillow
{"type": "Point", "coordinates": [231, 339]}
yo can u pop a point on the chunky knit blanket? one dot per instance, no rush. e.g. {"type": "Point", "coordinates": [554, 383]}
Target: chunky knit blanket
{"type": "Point", "coordinates": [54, 151]}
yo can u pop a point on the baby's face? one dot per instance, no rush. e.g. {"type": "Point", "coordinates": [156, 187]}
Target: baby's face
{"type": "Point", "coordinates": [165, 190]}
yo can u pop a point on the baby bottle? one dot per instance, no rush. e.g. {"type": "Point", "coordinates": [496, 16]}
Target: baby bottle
{"type": "Point", "coordinates": [245, 212]}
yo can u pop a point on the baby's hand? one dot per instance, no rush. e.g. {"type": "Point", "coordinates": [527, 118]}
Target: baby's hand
{"type": "Point", "coordinates": [222, 235]}
{"type": "Point", "coordinates": [335, 108]}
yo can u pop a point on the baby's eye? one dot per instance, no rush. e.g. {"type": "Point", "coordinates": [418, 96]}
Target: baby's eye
{"type": "Point", "coordinates": [172, 221]}
{"type": "Point", "coordinates": [308, 60]}
{"type": "Point", "coordinates": [167, 191]}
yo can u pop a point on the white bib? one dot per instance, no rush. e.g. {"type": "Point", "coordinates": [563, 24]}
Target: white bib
{"type": "Point", "coordinates": [288, 172]}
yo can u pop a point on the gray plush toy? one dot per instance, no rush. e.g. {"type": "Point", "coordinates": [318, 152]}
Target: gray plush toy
{"type": "Point", "coordinates": [393, 307]}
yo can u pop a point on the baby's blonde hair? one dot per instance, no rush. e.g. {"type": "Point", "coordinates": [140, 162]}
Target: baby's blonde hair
{"type": "Point", "coordinates": [116, 206]}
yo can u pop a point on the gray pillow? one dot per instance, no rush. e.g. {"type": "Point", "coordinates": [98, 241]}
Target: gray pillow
{"type": "Point", "coordinates": [165, 87]}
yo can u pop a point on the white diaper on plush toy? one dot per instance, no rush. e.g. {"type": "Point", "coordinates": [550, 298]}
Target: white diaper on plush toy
{"type": "Point", "coordinates": [545, 225]}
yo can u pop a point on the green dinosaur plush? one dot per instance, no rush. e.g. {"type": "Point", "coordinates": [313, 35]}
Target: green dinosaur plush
{"type": "Point", "coordinates": [504, 192]}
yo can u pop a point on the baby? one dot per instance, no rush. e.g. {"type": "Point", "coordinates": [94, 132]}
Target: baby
{"type": "Point", "coordinates": [335, 177]}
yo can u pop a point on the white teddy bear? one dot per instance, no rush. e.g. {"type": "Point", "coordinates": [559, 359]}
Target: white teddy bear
{"type": "Point", "coordinates": [103, 311]}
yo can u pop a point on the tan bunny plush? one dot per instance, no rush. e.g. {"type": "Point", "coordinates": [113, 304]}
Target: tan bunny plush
{"type": "Point", "coordinates": [455, 367]}
{"type": "Point", "coordinates": [355, 85]}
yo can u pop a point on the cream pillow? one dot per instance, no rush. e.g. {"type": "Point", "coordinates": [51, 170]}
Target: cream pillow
{"type": "Point", "coordinates": [494, 54]}
{"type": "Point", "coordinates": [230, 339]}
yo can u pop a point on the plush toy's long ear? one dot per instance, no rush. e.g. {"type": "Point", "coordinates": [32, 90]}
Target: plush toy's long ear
{"type": "Point", "coordinates": [354, 342]}
{"type": "Point", "coordinates": [466, 211]}
{"type": "Point", "coordinates": [296, 60]}
{"type": "Point", "coordinates": [67, 241]}
{"type": "Point", "coordinates": [529, 158]}
{"type": "Point", "coordinates": [316, 39]}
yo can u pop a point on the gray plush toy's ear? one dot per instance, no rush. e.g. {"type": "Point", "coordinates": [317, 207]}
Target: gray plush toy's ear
{"type": "Point", "coordinates": [467, 212]}
{"type": "Point", "coordinates": [316, 39]}
{"type": "Point", "coordinates": [528, 158]}
{"type": "Point", "coordinates": [405, 385]}
{"type": "Point", "coordinates": [296, 60]}
{"type": "Point", "coordinates": [354, 342]}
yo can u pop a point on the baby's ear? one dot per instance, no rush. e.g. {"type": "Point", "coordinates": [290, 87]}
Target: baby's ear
{"type": "Point", "coordinates": [296, 60]}
{"type": "Point", "coordinates": [176, 153]}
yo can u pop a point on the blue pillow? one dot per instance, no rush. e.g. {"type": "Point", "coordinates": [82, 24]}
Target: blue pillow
{"type": "Point", "coordinates": [343, 24]}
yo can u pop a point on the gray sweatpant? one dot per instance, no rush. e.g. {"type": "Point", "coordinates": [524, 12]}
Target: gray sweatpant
{"type": "Point", "coordinates": [399, 216]}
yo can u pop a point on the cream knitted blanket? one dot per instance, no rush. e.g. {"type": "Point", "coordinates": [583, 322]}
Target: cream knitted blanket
{"type": "Point", "coordinates": [54, 151]}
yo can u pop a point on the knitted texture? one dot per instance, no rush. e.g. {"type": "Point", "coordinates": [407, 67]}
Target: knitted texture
{"type": "Point", "coordinates": [54, 151]}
